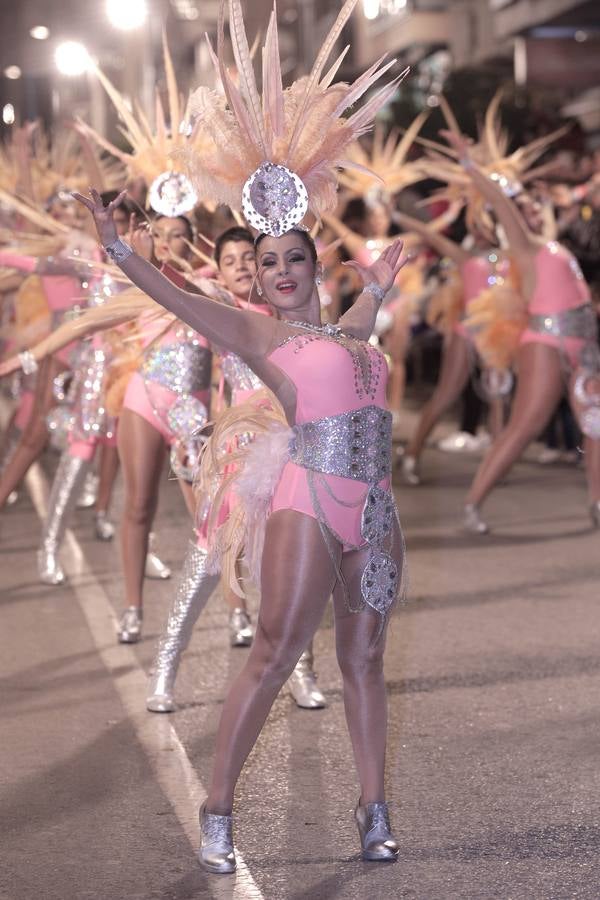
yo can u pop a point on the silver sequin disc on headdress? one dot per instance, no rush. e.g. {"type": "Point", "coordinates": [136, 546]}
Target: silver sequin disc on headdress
{"type": "Point", "coordinates": [274, 199]}
{"type": "Point", "coordinates": [509, 186]}
{"type": "Point", "coordinates": [172, 194]}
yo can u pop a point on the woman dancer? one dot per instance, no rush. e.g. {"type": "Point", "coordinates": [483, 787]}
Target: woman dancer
{"type": "Point", "coordinates": [561, 336]}
{"type": "Point", "coordinates": [478, 270]}
{"type": "Point", "coordinates": [235, 259]}
{"type": "Point", "coordinates": [332, 525]}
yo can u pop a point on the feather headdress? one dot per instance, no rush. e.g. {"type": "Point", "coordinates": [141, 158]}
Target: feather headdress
{"type": "Point", "coordinates": [275, 154]}
{"type": "Point", "coordinates": [511, 170]}
{"type": "Point", "coordinates": [154, 154]}
{"type": "Point", "coordinates": [384, 167]}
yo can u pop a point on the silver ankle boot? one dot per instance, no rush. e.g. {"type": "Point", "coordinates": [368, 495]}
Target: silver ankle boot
{"type": "Point", "coordinates": [69, 477]}
{"type": "Point", "coordinates": [303, 683]}
{"type": "Point", "coordinates": [155, 567]}
{"type": "Point", "coordinates": [472, 521]}
{"type": "Point", "coordinates": [104, 529]}
{"type": "Point", "coordinates": [377, 842]}
{"type": "Point", "coordinates": [89, 491]}
{"type": "Point", "coordinates": [193, 591]}
{"type": "Point", "coordinates": [240, 629]}
{"type": "Point", "coordinates": [129, 629]}
{"type": "Point", "coordinates": [216, 854]}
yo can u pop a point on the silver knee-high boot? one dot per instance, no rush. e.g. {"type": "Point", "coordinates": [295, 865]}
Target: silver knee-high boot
{"type": "Point", "coordinates": [193, 591]}
{"type": "Point", "coordinates": [303, 683]}
{"type": "Point", "coordinates": [66, 486]}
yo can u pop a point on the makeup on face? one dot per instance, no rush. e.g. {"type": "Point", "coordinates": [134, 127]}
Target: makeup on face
{"type": "Point", "coordinates": [170, 236]}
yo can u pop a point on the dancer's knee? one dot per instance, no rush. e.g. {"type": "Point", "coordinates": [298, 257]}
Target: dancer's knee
{"type": "Point", "coordinates": [272, 662]}
{"type": "Point", "coordinates": [140, 509]}
{"type": "Point", "coordinates": [362, 662]}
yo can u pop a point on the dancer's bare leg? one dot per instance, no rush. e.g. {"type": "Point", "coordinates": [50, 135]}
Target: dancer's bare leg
{"type": "Point", "coordinates": [142, 453]}
{"type": "Point", "coordinates": [189, 497]}
{"type": "Point", "coordinates": [35, 434]}
{"type": "Point", "coordinates": [108, 469]}
{"type": "Point", "coordinates": [539, 390]}
{"type": "Point", "coordinates": [496, 416]}
{"type": "Point", "coordinates": [360, 657]}
{"type": "Point", "coordinates": [454, 375]}
{"type": "Point", "coordinates": [396, 344]}
{"type": "Point", "coordinates": [296, 582]}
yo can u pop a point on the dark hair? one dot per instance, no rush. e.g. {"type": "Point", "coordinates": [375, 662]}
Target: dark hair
{"type": "Point", "coordinates": [237, 234]}
{"type": "Point", "coordinates": [299, 231]}
{"type": "Point", "coordinates": [189, 228]}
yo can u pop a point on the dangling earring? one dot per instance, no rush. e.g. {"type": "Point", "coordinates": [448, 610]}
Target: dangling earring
{"type": "Point", "coordinates": [259, 290]}
{"type": "Point", "coordinates": [318, 279]}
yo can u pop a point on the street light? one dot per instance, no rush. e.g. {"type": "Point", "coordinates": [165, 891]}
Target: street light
{"type": "Point", "coordinates": [126, 15]}
{"type": "Point", "coordinates": [40, 32]}
{"type": "Point", "coordinates": [72, 58]}
{"type": "Point", "coordinates": [12, 72]}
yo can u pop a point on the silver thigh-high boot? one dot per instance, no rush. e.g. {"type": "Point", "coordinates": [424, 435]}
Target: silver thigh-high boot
{"type": "Point", "coordinates": [66, 486]}
{"type": "Point", "coordinates": [192, 594]}
{"type": "Point", "coordinates": [303, 683]}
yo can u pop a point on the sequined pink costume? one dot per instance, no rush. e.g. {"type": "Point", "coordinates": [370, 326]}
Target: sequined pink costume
{"type": "Point", "coordinates": [561, 314]}
{"type": "Point", "coordinates": [326, 384]}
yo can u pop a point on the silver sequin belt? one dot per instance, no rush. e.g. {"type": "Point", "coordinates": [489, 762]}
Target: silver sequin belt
{"type": "Point", "coordinates": [184, 368]}
{"type": "Point", "coordinates": [356, 444]}
{"type": "Point", "coordinates": [579, 322]}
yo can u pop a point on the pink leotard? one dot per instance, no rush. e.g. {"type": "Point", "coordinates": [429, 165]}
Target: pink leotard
{"type": "Point", "coordinates": [559, 287]}
{"type": "Point", "coordinates": [323, 375]}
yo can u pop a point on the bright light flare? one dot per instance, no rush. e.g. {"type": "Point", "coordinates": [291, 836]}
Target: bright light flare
{"type": "Point", "coordinates": [126, 15]}
{"type": "Point", "coordinates": [8, 114]}
{"type": "Point", "coordinates": [12, 72]}
{"type": "Point", "coordinates": [72, 59]}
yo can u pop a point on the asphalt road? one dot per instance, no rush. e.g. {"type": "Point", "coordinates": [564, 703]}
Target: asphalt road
{"type": "Point", "coordinates": [493, 668]}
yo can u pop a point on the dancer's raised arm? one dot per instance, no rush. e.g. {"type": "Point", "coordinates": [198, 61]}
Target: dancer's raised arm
{"type": "Point", "coordinates": [237, 330]}
{"type": "Point", "coordinates": [377, 278]}
{"type": "Point", "coordinates": [442, 245]}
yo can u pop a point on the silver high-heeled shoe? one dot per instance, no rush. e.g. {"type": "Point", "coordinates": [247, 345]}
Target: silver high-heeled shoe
{"type": "Point", "coordinates": [472, 521]}
{"type": "Point", "coordinates": [155, 567]}
{"type": "Point", "coordinates": [69, 477]}
{"type": "Point", "coordinates": [595, 513]}
{"type": "Point", "coordinates": [240, 629]}
{"type": "Point", "coordinates": [303, 683]}
{"type": "Point", "coordinates": [104, 529]}
{"type": "Point", "coordinates": [216, 854]}
{"type": "Point", "coordinates": [89, 491]}
{"type": "Point", "coordinates": [377, 842]}
{"type": "Point", "coordinates": [194, 589]}
{"type": "Point", "coordinates": [129, 629]}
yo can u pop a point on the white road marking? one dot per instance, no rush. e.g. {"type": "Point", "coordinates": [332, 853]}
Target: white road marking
{"type": "Point", "coordinates": [169, 762]}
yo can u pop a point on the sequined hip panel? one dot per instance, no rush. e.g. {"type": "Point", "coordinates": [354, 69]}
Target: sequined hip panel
{"type": "Point", "coordinates": [184, 367]}
{"type": "Point", "coordinates": [356, 444]}
{"type": "Point", "coordinates": [579, 322]}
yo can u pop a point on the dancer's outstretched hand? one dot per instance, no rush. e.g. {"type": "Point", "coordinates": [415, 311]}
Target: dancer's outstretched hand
{"type": "Point", "coordinates": [385, 269]}
{"type": "Point", "coordinates": [103, 215]}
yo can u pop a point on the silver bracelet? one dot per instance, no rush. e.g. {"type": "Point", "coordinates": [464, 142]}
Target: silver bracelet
{"type": "Point", "coordinates": [28, 362]}
{"type": "Point", "coordinates": [373, 288]}
{"type": "Point", "coordinates": [118, 251]}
